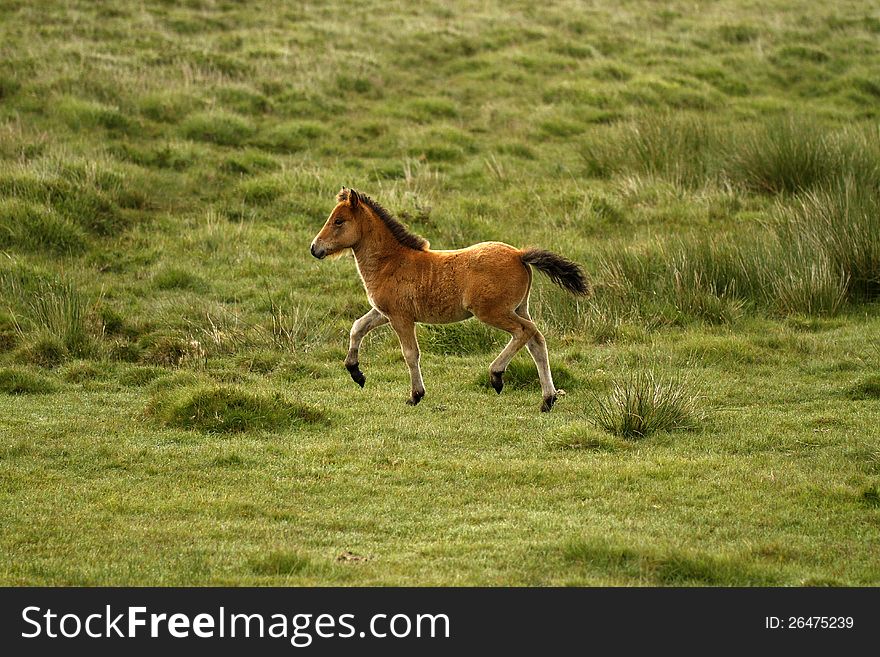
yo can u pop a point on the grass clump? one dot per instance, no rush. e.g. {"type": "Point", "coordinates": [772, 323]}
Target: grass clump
{"type": "Point", "coordinates": [521, 374]}
{"type": "Point", "coordinates": [795, 154]}
{"type": "Point", "coordinates": [248, 162]}
{"type": "Point", "coordinates": [683, 149]}
{"type": "Point", "coordinates": [9, 334]}
{"type": "Point", "coordinates": [81, 114]}
{"type": "Point", "coordinates": [812, 288]}
{"type": "Point", "coordinates": [261, 190]}
{"type": "Point", "coordinates": [817, 254]}
{"type": "Point", "coordinates": [459, 339]}
{"type": "Point", "coordinates": [166, 107]}
{"type": "Point", "coordinates": [588, 438]}
{"type": "Point", "coordinates": [645, 403]}
{"type": "Point", "coordinates": [226, 409]}
{"type": "Point", "coordinates": [34, 228]}
{"type": "Point", "coordinates": [168, 350]}
{"type": "Point", "coordinates": [281, 562]}
{"type": "Point", "coordinates": [175, 278]}
{"type": "Point", "coordinates": [871, 496]}
{"type": "Point", "coordinates": [42, 350]}
{"type": "Point", "coordinates": [867, 388]}
{"type": "Point", "coordinates": [665, 567]}
{"type": "Point", "coordinates": [81, 372]}
{"type": "Point", "coordinates": [223, 128]}
{"type": "Point", "coordinates": [136, 377]}
{"type": "Point", "coordinates": [58, 310]}
{"type": "Point", "coordinates": [292, 136]}
{"type": "Point", "coordinates": [839, 224]}
{"type": "Point", "coordinates": [16, 381]}
{"type": "Point", "coordinates": [124, 351]}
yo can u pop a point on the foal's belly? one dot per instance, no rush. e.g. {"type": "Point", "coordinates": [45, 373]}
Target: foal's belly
{"type": "Point", "coordinates": [443, 318]}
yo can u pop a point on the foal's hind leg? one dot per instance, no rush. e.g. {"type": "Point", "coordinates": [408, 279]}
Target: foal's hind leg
{"type": "Point", "coordinates": [537, 347]}
{"type": "Point", "coordinates": [359, 329]}
{"type": "Point", "coordinates": [521, 331]}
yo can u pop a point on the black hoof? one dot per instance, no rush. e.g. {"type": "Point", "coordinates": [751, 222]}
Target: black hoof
{"type": "Point", "coordinates": [548, 403]}
{"type": "Point", "coordinates": [356, 374]}
{"type": "Point", "coordinates": [497, 381]}
{"type": "Point", "coordinates": [416, 397]}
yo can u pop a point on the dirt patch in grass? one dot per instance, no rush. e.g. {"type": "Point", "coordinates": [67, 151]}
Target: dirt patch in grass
{"type": "Point", "coordinates": [227, 409]}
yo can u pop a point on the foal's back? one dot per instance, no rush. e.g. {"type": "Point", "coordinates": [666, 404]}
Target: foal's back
{"type": "Point", "coordinates": [452, 285]}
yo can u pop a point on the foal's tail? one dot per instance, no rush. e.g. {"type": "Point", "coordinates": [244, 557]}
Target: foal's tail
{"type": "Point", "coordinates": [562, 271]}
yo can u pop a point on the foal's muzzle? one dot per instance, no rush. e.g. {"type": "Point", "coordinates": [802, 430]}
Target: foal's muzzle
{"type": "Point", "coordinates": [317, 252]}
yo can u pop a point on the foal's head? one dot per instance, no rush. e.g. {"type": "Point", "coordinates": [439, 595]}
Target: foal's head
{"type": "Point", "coordinates": [343, 228]}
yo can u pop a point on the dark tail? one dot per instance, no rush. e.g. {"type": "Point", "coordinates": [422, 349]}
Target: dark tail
{"type": "Point", "coordinates": [562, 271]}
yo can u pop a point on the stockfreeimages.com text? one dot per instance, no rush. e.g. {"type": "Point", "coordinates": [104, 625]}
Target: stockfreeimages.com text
{"type": "Point", "coordinates": [300, 629]}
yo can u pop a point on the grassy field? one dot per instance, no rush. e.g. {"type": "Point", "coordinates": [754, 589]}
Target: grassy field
{"type": "Point", "coordinates": [173, 404]}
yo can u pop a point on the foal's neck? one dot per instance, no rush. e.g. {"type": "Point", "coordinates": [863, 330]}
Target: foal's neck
{"type": "Point", "coordinates": [377, 252]}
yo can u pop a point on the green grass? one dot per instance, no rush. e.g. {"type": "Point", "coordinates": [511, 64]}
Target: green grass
{"type": "Point", "coordinates": [14, 381]}
{"type": "Point", "coordinates": [226, 409]}
{"type": "Point", "coordinates": [718, 179]}
{"type": "Point", "coordinates": [867, 388]}
{"type": "Point", "coordinates": [644, 403]}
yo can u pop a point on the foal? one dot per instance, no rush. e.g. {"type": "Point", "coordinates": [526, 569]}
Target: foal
{"type": "Point", "coordinates": [406, 282]}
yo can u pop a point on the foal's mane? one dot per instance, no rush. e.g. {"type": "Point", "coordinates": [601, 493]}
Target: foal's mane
{"type": "Point", "coordinates": [401, 233]}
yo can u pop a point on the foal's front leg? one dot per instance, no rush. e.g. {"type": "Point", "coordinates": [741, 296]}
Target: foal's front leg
{"type": "Point", "coordinates": [409, 344]}
{"type": "Point", "coordinates": [359, 329]}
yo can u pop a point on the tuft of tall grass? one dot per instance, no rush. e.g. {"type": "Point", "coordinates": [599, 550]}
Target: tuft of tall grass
{"type": "Point", "coordinates": [86, 195]}
{"type": "Point", "coordinates": [8, 332]}
{"type": "Point", "coordinates": [295, 328]}
{"type": "Point", "coordinates": [646, 402]}
{"type": "Point", "coordinates": [54, 309]}
{"type": "Point", "coordinates": [795, 154]}
{"type": "Point", "coordinates": [81, 114]}
{"type": "Point", "coordinates": [684, 149]}
{"type": "Point", "coordinates": [262, 190]}
{"type": "Point", "coordinates": [841, 224]}
{"type": "Point", "coordinates": [169, 350]}
{"type": "Point", "coordinates": [812, 288]}
{"type": "Point", "coordinates": [787, 155]}
{"type": "Point", "coordinates": [60, 310]}
{"type": "Point", "coordinates": [820, 252]}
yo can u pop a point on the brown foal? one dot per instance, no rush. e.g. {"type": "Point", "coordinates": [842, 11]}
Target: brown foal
{"type": "Point", "coordinates": [407, 282]}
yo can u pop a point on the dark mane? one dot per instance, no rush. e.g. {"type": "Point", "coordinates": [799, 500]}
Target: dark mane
{"type": "Point", "coordinates": [401, 233]}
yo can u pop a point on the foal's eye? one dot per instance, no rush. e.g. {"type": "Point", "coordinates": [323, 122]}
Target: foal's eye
{"type": "Point", "coordinates": [339, 222]}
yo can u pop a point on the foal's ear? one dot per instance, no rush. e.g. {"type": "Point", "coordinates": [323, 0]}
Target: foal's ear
{"type": "Point", "coordinates": [353, 199]}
